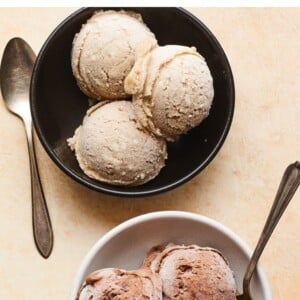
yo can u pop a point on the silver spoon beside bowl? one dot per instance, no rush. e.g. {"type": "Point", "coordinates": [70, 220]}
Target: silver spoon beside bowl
{"type": "Point", "coordinates": [287, 188]}
{"type": "Point", "coordinates": [15, 74]}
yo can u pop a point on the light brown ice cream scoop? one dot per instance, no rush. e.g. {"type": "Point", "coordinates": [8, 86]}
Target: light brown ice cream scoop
{"type": "Point", "coordinates": [192, 273]}
{"type": "Point", "coordinates": [172, 89]}
{"type": "Point", "coordinates": [112, 147]}
{"type": "Point", "coordinates": [103, 52]}
{"type": "Point", "coordinates": [118, 284]}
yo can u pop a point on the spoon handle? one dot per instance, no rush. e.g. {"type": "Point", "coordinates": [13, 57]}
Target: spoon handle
{"type": "Point", "coordinates": [42, 229]}
{"type": "Point", "coordinates": [287, 188]}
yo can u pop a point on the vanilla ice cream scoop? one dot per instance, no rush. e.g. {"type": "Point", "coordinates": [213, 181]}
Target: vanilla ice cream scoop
{"type": "Point", "coordinates": [118, 284]}
{"type": "Point", "coordinates": [103, 52]}
{"type": "Point", "coordinates": [192, 272]}
{"type": "Point", "coordinates": [112, 147]}
{"type": "Point", "coordinates": [172, 89]}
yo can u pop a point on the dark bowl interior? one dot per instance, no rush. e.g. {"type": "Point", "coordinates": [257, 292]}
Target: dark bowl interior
{"type": "Point", "coordinates": [58, 106]}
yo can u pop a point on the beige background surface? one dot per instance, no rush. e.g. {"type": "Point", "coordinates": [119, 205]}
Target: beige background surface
{"type": "Point", "coordinates": [237, 188]}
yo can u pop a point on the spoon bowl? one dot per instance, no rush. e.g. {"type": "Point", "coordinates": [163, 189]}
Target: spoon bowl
{"type": "Point", "coordinates": [16, 68]}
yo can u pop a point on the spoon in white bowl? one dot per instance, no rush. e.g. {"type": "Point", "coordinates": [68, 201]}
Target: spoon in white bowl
{"type": "Point", "coordinates": [287, 188]}
{"type": "Point", "coordinates": [15, 74]}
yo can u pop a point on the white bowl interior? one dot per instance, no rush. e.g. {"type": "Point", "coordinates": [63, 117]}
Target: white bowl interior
{"type": "Point", "coordinates": [125, 246]}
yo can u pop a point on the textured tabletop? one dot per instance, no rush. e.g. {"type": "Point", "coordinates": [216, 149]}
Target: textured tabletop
{"type": "Point", "coordinates": [237, 188]}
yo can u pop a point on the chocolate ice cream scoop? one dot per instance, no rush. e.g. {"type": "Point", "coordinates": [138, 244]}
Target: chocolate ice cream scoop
{"type": "Point", "coordinates": [192, 272]}
{"type": "Point", "coordinates": [103, 52]}
{"type": "Point", "coordinates": [118, 284]}
{"type": "Point", "coordinates": [172, 88]}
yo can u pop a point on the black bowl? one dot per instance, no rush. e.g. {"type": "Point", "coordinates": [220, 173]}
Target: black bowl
{"type": "Point", "coordinates": [58, 106]}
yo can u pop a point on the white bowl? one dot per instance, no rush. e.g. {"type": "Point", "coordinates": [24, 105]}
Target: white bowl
{"type": "Point", "coordinates": [125, 246]}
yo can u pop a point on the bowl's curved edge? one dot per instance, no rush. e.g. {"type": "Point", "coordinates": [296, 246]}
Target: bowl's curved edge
{"type": "Point", "coordinates": [124, 193]}
{"type": "Point", "coordinates": [164, 215]}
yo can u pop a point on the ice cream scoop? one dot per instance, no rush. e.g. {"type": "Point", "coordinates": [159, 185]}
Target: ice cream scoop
{"type": "Point", "coordinates": [103, 52]}
{"type": "Point", "coordinates": [112, 147]}
{"type": "Point", "coordinates": [192, 272]}
{"type": "Point", "coordinates": [172, 89]}
{"type": "Point", "coordinates": [118, 284]}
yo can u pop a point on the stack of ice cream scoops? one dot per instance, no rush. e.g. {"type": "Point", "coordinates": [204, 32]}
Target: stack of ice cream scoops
{"type": "Point", "coordinates": [171, 272]}
{"type": "Point", "coordinates": [146, 95]}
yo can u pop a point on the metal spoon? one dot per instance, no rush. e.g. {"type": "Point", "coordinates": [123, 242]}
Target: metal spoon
{"type": "Point", "coordinates": [287, 188]}
{"type": "Point", "coordinates": [15, 74]}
